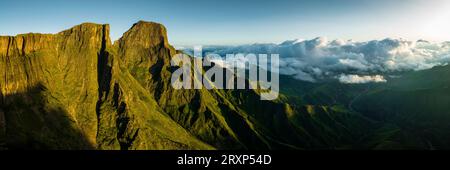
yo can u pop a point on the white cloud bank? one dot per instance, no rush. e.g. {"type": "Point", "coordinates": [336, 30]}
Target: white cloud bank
{"type": "Point", "coordinates": [356, 79]}
{"type": "Point", "coordinates": [318, 59]}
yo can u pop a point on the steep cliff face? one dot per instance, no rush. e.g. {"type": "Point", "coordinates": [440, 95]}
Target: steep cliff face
{"type": "Point", "coordinates": [42, 74]}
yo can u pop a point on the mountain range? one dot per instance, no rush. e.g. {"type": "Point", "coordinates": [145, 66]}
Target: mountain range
{"type": "Point", "coordinates": [76, 89]}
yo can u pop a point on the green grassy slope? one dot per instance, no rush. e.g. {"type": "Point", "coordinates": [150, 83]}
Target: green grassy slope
{"type": "Point", "coordinates": [407, 112]}
{"type": "Point", "coordinates": [417, 105]}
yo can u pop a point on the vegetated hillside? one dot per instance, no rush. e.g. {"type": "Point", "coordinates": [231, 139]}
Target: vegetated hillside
{"type": "Point", "coordinates": [416, 108]}
{"type": "Point", "coordinates": [410, 111]}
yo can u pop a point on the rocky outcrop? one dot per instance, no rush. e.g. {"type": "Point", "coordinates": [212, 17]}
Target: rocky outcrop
{"type": "Point", "coordinates": [62, 67]}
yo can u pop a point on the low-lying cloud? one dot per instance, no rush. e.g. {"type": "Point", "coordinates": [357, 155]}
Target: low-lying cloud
{"type": "Point", "coordinates": [347, 61]}
{"type": "Point", "coordinates": [357, 79]}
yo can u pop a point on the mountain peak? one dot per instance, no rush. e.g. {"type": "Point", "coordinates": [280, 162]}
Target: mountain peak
{"type": "Point", "coordinates": [146, 34]}
{"type": "Point", "coordinates": [85, 27]}
{"type": "Point", "coordinates": [148, 23]}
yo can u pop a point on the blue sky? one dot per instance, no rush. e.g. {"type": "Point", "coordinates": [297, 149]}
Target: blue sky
{"type": "Point", "coordinates": [225, 22]}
